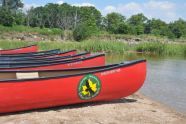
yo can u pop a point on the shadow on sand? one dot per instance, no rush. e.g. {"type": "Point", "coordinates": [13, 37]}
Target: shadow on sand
{"type": "Point", "coordinates": [73, 106]}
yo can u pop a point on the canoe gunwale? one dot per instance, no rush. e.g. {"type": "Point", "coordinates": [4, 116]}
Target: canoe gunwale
{"type": "Point", "coordinates": [120, 65]}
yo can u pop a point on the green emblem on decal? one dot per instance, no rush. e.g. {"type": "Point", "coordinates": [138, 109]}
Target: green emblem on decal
{"type": "Point", "coordinates": [89, 87]}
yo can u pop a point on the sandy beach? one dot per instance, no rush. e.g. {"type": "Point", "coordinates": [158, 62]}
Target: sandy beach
{"type": "Point", "coordinates": [136, 109]}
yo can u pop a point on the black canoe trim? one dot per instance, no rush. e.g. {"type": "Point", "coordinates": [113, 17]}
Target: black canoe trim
{"type": "Point", "coordinates": [4, 58]}
{"type": "Point", "coordinates": [52, 59]}
{"type": "Point", "coordinates": [57, 63]}
{"type": "Point", "coordinates": [31, 53]}
{"type": "Point", "coordinates": [116, 66]}
{"type": "Point", "coordinates": [40, 62]}
{"type": "Point", "coordinates": [19, 47]}
{"type": "Point", "coordinates": [52, 70]}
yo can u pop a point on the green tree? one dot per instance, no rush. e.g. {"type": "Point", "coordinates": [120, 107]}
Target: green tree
{"type": "Point", "coordinates": [62, 16]}
{"type": "Point", "coordinates": [19, 18]}
{"type": "Point", "coordinates": [87, 26]}
{"type": "Point", "coordinates": [12, 4]}
{"type": "Point", "coordinates": [6, 17]}
{"type": "Point", "coordinates": [139, 29]}
{"type": "Point", "coordinates": [138, 23]}
{"type": "Point", "coordinates": [156, 27]}
{"type": "Point", "coordinates": [123, 29]}
{"type": "Point", "coordinates": [138, 19]}
{"type": "Point", "coordinates": [81, 32]}
{"type": "Point", "coordinates": [90, 13]}
{"type": "Point", "coordinates": [9, 13]}
{"type": "Point", "coordinates": [178, 28]}
{"type": "Point", "coordinates": [113, 21]}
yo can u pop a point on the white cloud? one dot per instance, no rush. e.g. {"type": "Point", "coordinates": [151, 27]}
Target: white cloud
{"type": "Point", "coordinates": [130, 8]}
{"type": "Point", "coordinates": [163, 5]}
{"type": "Point", "coordinates": [60, 2]}
{"type": "Point", "coordinates": [110, 9]}
{"type": "Point", "coordinates": [164, 10]}
{"type": "Point", "coordinates": [126, 9]}
{"type": "Point", "coordinates": [135, 7]}
{"type": "Point", "coordinates": [83, 4]}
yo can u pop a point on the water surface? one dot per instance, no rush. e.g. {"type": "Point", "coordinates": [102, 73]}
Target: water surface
{"type": "Point", "coordinates": [166, 78]}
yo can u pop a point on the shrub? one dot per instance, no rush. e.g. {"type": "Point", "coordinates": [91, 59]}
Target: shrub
{"type": "Point", "coordinates": [84, 31]}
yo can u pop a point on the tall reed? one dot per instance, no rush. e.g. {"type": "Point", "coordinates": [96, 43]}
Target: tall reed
{"type": "Point", "coordinates": [104, 46]}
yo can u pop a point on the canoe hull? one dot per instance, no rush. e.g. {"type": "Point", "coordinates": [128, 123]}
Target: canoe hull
{"type": "Point", "coordinates": [26, 95]}
{"type": "Point", "coordinates": [28, 49]}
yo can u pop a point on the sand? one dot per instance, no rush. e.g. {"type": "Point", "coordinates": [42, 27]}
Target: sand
{"type": "Point", "coordinates": [136, 109]}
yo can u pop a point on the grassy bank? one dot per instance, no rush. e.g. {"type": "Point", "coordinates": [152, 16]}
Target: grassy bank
{"type": "Point", "coordinates": [25, 29]}
{"type": "Point", "coordinates": [104, 46]}
{"type": "Point", "coordinates": [136, 38]}
{"type": "Point", "coordinates": [94, 46]}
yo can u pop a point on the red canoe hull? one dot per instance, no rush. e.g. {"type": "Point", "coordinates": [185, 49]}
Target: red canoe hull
{"type": "Point", "coordinates": [43, 93]}
{"type": "Point", "coordinates": [28, 49]}
{"type": "Point", "coordinates": [89, 62]}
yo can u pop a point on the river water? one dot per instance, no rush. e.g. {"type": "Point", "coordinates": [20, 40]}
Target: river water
{"type": "Point", "coordinates": [165, 81]}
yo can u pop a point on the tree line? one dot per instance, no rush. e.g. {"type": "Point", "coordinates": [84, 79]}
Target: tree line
{"type": "Point", "coordinates": [85, 21]}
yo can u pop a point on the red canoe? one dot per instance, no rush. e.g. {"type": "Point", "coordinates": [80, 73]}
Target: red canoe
{"type": "Point", "coordinates": [27, 49]}
{"type": "Point", "coordinates": [89, 61]}
{"type": "Point", "coordinates": [56, 88]}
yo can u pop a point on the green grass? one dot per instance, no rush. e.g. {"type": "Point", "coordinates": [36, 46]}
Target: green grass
{"type": "Point", "coordinates": [89, 45]}
{"type": "Point", "coordinates": [158, 48]}
{"type": "Point", "coordinates": [12, 44]}
{"type": "Point", "coordinates": [21, 29]}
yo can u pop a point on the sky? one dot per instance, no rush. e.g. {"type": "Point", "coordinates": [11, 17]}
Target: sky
{"type": "Point", "coordinates": [167, 10]}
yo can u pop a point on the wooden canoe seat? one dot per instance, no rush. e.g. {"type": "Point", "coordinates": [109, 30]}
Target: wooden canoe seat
{"type": "Point", "coordinates": [28, 75]}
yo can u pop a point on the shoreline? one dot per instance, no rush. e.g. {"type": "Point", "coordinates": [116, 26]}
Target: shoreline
{"type": "Point", "coordinates": [136, 108]}
{"type": "Point", "coordinates": [163, 105]}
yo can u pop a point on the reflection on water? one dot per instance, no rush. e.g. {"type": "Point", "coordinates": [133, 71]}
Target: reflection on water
{"type": "Point", "coordinates": [166, 78]}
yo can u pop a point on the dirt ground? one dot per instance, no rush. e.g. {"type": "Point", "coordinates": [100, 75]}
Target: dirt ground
{"type": "Point", "coordinates": [136, 109]}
